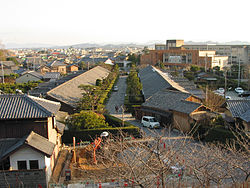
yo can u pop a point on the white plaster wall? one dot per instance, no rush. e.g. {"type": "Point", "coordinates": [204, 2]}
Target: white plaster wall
{"type": "Point", "coordinates": [52, 133]}
{"type": "Point", "coordinates": [26, 154]}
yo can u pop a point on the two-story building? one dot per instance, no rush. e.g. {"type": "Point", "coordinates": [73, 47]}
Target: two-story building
{"type": "Point", "coordinates": [30, 138]}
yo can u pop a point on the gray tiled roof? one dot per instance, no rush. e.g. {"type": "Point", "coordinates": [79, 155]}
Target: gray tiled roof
{"type": "Point", "coordinates": [168, 100]}
{"type": "Point", "coordinates": [69, 92]}
{"type": "Point", "coordinates": [246, 116]}
{"type": "Point", "coordinates": [56, 63]}
{"type": "Point", "coordinates": [60, 127]}
{"type": "Point", "coordinates": [34, 73]}
{"type": "Point", "coordinates": [151, 81]}
{"type": "Point", "coordinates": [238, 107]}
{"type": "Point", "coordinates": [7, 143]}
{"type": "Point", "coordinates": [53, 75]}
{"type": "Point", "coordinates": [33, 140]}
{"type": "Point", "coordinates": [24, 106]}
{"type": "Point", "coordinates": [44, 87]}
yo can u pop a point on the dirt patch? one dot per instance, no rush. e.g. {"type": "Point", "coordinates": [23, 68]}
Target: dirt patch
{"type": "Point", "coordinates": [85, 169]}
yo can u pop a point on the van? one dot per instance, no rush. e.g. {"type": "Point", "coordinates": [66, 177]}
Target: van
{"type": "Point", "coordinates": [149, 121]}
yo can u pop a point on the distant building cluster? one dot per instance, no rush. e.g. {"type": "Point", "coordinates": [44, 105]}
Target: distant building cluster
{"type": "Point", "coordinates": [176, 53]}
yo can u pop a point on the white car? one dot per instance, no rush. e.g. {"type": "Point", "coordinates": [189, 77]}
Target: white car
{"type": "Point", "coordinates": [239, 90]}
{"type": "Point", "coordinates": [115, 88]}
{"type": "Point", "coordinates": [149, 121]}
{"type": "Point", "coordinates": [221, 90]}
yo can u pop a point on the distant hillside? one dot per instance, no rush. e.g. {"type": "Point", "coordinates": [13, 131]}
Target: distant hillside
{"type": "Point", "coordinates": [150, 44]}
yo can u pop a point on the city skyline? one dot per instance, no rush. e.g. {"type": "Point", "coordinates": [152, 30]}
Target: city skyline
{"type": "Point", "coordinates": [74, 22]}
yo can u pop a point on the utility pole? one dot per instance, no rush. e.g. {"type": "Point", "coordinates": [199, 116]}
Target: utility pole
{"type": "Point", "coordinates": [239, 71]}
{"type": "Point", "coordinates": [122, 115]}
{"type": "Point", "coordinates": [225, 89]}
{"type": "Point", "coordinates": [2, 73]}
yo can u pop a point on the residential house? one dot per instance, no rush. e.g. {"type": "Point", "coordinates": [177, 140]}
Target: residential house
{"type": "Point", "coordinates": [30, 138]}
{"type": "Point", "coordinates": [173, 108]}
{"type": "Point", "coordinates": [29, 76]}
{"type": "Point", "coordinates": [154, 80]}
{"type": "Point", "coordinates": [55, 66]}
{"type": "Point", "coordinates": [7, 68]}
{"type": "Point", "coordinates": [51, 76]}
{"type": "Point", "coordinates": [240, 111]}
{"type": "Point", "coordinates": [69, 93]}
{"type": "Point", "coordinates": [72, 68]}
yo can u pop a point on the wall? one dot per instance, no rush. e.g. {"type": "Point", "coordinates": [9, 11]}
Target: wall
{"type": "Point", "coordinates": [24, 178]}
{"type": "Point", "coordinates": [25, 154]}
{"type": "Point", "coordinates": [181, 121]}
{"type": "Point", "coordinates": [154, 56]}
{"type": "Point", "coordinates": [20, 128]}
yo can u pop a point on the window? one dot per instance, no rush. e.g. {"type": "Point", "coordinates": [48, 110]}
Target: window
{"type": "Point", "coordinates": [22, 165]}
{"type": "Point", "coordinates": [34, 164]}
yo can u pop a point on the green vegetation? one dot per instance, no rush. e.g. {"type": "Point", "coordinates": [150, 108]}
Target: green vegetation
{"type": "Point", "coordinates": [91, 134]}
{"type": "Point", "coordinates": [11, 87]}
{"type": "Point", "coordinates": [135, 59]}
{"type": "Point", "coordinates": [12, 59]}
{"type": "Point", "coordinates": [134, 87]}
{"type": "Point", "coordinates": [86, 120]}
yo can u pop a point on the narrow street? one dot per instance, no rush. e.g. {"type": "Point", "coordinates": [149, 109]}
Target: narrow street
{"type": "Point", "coordinates": [117, 99]}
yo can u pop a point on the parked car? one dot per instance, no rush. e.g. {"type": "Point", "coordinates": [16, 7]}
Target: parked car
{"type": "Point", "coordinates": [239, 90]}
{"type": "Point", "coordinates": [228, 97]}
{"type": "Point", "coordinates": [221, 90]}
{"type": "Point", "coordinates": [115, 88]}
{"type": "Point", "coordinates": [244, 94]}
{"type": "Point", "coordinates": [149, 121]}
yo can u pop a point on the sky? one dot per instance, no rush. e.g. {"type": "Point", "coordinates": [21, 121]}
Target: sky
{"type": "Point", "coordinates": [67, 22]}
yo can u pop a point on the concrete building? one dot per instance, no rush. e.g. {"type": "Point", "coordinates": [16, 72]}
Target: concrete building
{"type": "Point", "coordinates": [235, 53]}
{"type": "Point", "coordinates": [178, 57]}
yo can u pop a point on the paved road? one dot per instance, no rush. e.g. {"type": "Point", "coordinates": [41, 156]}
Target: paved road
{"type": "Point", "coordinates": [117, 98]}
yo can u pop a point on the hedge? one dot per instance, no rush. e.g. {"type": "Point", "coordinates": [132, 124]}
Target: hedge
{"type": "Point", "coordinates": [116, 122]}
{"type": "Point", "coordinates": [91, 134]}
{"type": "Point", "coordinates": [212, 134]}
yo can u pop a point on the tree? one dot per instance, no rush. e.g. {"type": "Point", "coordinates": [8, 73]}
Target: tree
{"type": "Point", "coordinates": [213, 101]}
{"type": "Point", "coordinates": [194, 68]}
{"type": "Point", "coordinates": [134, 86]}
{"type": "Point", "coordinates": [90, 97]}
{"type": "Point", "coordinates": [85, 120]}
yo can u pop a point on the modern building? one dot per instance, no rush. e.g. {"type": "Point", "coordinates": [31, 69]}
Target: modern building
{"type": "Point", "coordinates": [236, 53]}
{"type": "Point", "coordinates": [178, 57]}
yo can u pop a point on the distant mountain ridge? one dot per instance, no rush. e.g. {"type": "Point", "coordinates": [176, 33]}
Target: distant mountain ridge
{"type": "Point", "coordinates": [111, 46]}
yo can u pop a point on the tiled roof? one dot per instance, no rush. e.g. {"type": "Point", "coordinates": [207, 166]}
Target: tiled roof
{"type": "Point", "coordinates": [56, 63]}
{"type": "Point", "coordinates": [44, 87]}
{"type": "Point", "coordinates": [7, 143]}
{"type": "Point", "coordinates": [69, 92]}
{"type": "Point", "coordinates": [60, 127]}
{"type": "Point", "coordinates": [53, 75]}
{"type": "Point", "coordinates": [168, 100]}
{"type": "Point", "coordinates": [33, 140]}
{"type": "Point", "coordinates": [34, 73]}
{"type": "Point", "coordinates": [153, 80]}
{"type": "Point", "coordinates": [24, 106]}
{"type": "Point", "coordinates": [238, 107]}
{"type": "Point", "coordinates": [246, 116]}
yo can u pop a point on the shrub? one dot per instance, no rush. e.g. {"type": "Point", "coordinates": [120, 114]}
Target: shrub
{"type": "Point", "coordinates": [91, 134]}
{"type": "Point", "coordinates": [85, 120]}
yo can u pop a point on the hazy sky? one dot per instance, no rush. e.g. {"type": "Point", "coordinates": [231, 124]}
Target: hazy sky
{"type": "Point", "coordinates": [113, 21]}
